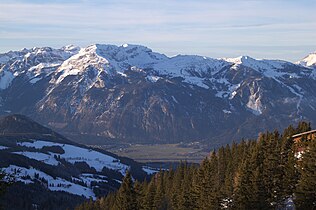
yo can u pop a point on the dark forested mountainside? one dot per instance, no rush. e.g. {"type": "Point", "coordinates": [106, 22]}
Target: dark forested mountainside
{"type": "Point", "coordinates": [131, 94]}
{"type": "Point", "coordinates": [264, 174]}
{"type": "Point", "coordinates": [49, 171]}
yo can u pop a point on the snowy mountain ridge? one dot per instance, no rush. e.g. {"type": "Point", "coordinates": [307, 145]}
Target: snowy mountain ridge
{"type": "Point", "coordinates": [112, 60]}
{"type": "Point", "coordinates": [105, 84]}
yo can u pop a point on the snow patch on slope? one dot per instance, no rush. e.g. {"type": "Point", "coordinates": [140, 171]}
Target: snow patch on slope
{"type": "Point", "coordinates": [226, 111]}
{"type": "Point", "coordinates": [190, 65]}
{"type": "Point", "coordinates": [89, 178]}
{"type": "Point", "coordinates": [3, 147]}
{"type": "Point", "coordinates": [38, 69]}
{"type": "Point", "coordinates": [74, 154]}
{"type": "Point", "coordinates": [150, 170]}
{"type": "Point", "coordinates": [6, 78]}
{"type": "Point", "coordinates": [48, 159]}
{"type": "Point", "coordinates": [153, 78]}
{"type": "Point", "coordinates": [227, 90]}
{"type": "Point", "coordinates": [254, 102]}
{"type": "Point", "coordinates": [54, 184]}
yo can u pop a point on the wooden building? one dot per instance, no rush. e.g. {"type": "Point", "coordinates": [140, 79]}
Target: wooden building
{"type": "Point", "coordinates": [304, 137]}
{"type": "Point", "coordinates": [301, 141]}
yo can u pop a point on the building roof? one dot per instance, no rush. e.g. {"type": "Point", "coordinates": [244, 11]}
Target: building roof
{"type": "Point", "coordinates": [300, 134]}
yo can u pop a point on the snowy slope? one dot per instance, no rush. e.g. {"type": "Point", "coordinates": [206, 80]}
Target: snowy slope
{"type": "Point", "coordinates": [308, 61]}
{"type": "Point", "coordinates": [29, 175]}
{"type": "Point", "coordinates": [79, 184]}
{"type": "Point", "coordinates": [259, 65]}
{"type": "Point", "coordinates": [194, 69]}
{"type": "Point", "coordinates": [74, 154]}
{"type": "Point", "coordinates": [269, 68]}
{"type": "Point", "coordinates": [109, 58]}
{"type": "Point", "coordinates": [35, 63]}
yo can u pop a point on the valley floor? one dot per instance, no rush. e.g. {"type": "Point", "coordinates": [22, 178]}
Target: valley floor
{"type": "Point", "coordinates": [191, 152]}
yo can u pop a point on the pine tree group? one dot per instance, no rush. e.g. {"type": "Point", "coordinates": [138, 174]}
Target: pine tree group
{"type": "Point", "coordinates": [261, 174]}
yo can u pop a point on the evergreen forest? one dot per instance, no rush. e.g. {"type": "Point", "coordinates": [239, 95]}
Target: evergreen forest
{"type": "Point", "coordinates": [271, 172]}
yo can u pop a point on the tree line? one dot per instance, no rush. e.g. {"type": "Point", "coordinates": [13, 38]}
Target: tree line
{"type": "Point", "coordinates": [256, 174]}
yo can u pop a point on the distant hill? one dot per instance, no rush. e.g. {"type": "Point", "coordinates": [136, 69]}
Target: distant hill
{"type": "Point", "coordinates": [53, 169]}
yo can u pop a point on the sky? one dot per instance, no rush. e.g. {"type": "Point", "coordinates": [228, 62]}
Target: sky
{"type": "Point", "coordinates": [271, 29]}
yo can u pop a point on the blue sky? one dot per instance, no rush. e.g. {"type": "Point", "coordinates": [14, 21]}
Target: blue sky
{"type": "Point", "coordinates": [284, 29]}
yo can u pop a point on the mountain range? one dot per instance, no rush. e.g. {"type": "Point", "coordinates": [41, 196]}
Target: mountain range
{"type": "Point", "coordinates": [130, 93]}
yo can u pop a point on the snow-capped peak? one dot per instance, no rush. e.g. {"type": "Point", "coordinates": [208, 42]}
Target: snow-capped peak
{"type": "Point", "coordinates": [110, 59]}
{"type": "Point", "coordinates": [134, 55]}
{"type": "Point", "coordinates": [36, 63]}
{"type": "Point", "coordinates": [260, 65]}
{"type": "Point", "coordinates": [71, 48]}
{"type": "Point", "coordinates": [308, 61]}
{"type": "Point", "coordinates": [83, 60]}
{"type": "Point", "coordinates": [239, 59]}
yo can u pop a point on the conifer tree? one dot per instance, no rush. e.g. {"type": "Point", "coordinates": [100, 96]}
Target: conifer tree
{"type": "Point", "coordinates": [139, 189]}
{"type": "Point", "coordinates": [306, 188]}
{"type": "Point", "coordinates": [159, 199]}
{"type": "Point", "coordinates": [201, 185]}
{"type": "Point", "coordinates": [273, 170]}
{"type": "Point", "coordinates": [289, 163]}
{"type": "Point", "coordinates": [186, 201]}
{"type": "Point", "coordinates": [303, 127]}
{"type": "Point", "coordinates": [242, 187]}
{"type": "Point", "coordinates": [214, 180]}
{"type": "Point", "coordinates": [125, 198]}
{"type": "Point", "coordinates": [149, 197]}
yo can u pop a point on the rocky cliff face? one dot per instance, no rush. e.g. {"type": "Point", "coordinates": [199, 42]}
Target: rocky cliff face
{"type": "Point", "coordinates": [132, 94]}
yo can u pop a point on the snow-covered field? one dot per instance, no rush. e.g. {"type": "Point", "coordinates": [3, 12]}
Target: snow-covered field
{"type": "Point", "coordinates": [74, 154]}
{"type": "Point", "coordinates": [57, 184]}
{"type": "Point", "coordinates": [80, 184]}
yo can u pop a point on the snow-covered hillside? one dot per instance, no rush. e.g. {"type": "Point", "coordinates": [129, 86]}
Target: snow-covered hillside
{"type": "Point", "coordinates": [30, 175]}
{"type": "Point", "coordinates": [56, 155]}
{"type": "Point", "coordinates": [73, 154]}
